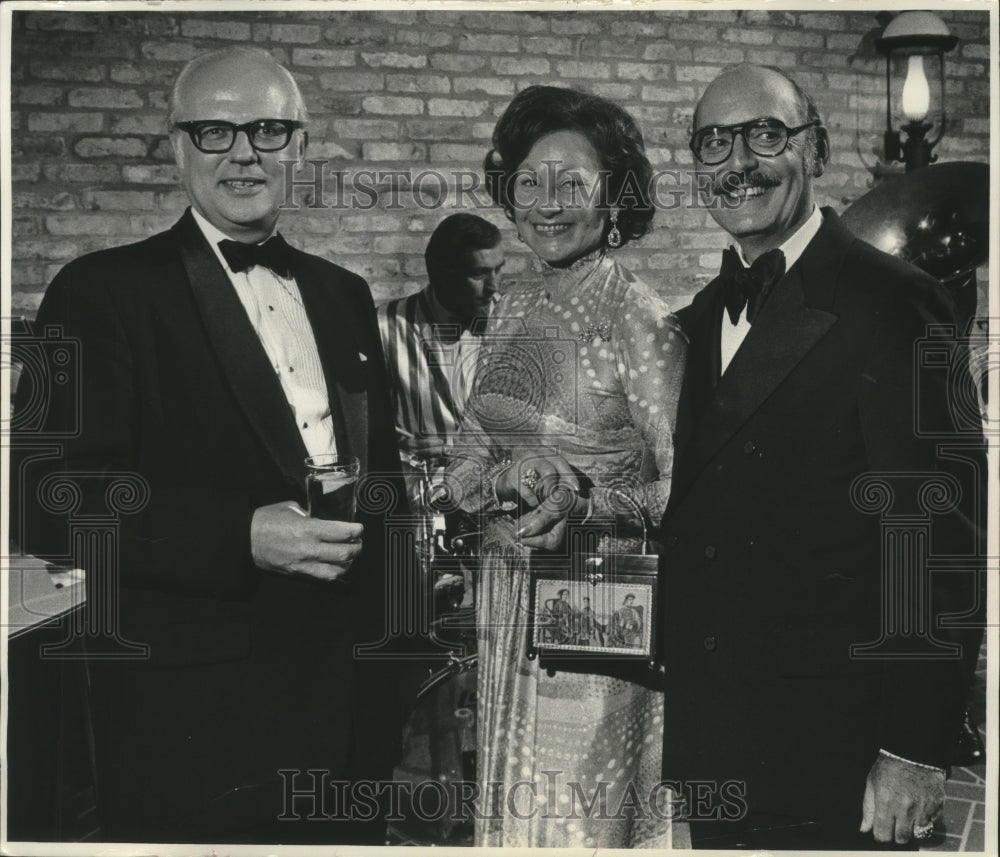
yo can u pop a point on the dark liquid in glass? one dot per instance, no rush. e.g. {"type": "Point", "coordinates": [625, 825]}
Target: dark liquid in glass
{"type": "Point", "coordinates": [331, 497]}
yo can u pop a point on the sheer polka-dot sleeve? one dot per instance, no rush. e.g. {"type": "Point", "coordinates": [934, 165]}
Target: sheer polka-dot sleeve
{"type": "Point", "coordinates": [650, 348]}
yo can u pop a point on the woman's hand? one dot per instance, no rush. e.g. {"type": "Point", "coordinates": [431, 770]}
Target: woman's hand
{"type": "Point", "coordinates": [547, 485]}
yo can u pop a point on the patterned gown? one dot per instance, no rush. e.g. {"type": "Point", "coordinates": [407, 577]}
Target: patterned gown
{"type": "Point", "coordinates": [589, 365]}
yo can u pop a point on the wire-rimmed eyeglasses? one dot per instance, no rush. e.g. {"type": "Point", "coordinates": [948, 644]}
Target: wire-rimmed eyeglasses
{"type": "Point", "coordinates": [216, 136]}
{"type": "Point", "coordinates": [768, 138]}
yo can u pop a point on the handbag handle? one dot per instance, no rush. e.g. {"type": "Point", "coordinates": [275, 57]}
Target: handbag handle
{"type": "Point", "coordinates": [641, 514]}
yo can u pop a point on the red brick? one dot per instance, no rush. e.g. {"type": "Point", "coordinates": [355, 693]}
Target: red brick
{"type": "Point", "coordinates": [488, 85]}
{"type": "Point", "coordinates": [590, 70]}
{"type": "Point", "coordinates": [747, 36]}
{"type": "Point", "coordinates": [521, 65]}
{"type": "Point", "coordinates": [146, 73]}
{"type": "Point", "coordinates": [457, 62]}
{"type": "Point", "coordinates": [199, 29]}
{"type": "Point", "coordinates": [55, 21]}
{"type": "Point", "coordinates": [25, 172]}
{"type": "Point", "coordinates": [110, 147]}
{"type": "Point", "coordinates": [719, 54]}
{"type": "Point", "coordinates": [668, 93]}
{"type": "Point", "coordinates": [517, 22]}
{"type": "Point", "coordinates": [638, 29]}
{"type": "Point", "coordinates": [172, 201]}
{"type": "Point", "coordinates": [82, 173]}
{"type": "Point", "coordinates": [44, 249]}
{"type": "Point", "coordinates": [351, 81]}
{"type": "Point", "coordinates": [393, 152]}
{"type": "Point", "coordinates": [476, 42]}
{"type": "Point", "coordinates": [434, 39]}
{"type": "Point", "coordinates": [104, 98]}
{"type": "Point", "coordinates": [137, 124]}
{"type": "Point", "coordinates": [87, 224]}
{"type": "Point", "coordinates": [452, 153]}
{"type": "Point", "coordinates": [643, 71]}
{"type": "Point", "coordinates": [614, 91]}
{"type": "Point", "coordinates": [431, 84]}
{"type": "Point", "coordinates": [393, 104]}
{"type": "Point", "coordinates": [821, 21]}
{"type": "Point", "coordinates": [116, 200]}
{"type": "Point", "coordinates": [48, 96]}
{"type": "Point", "coordinates": [571, 25]}
{"type": "Point", "coordinates": [550, 45]}
{"type": "Point", "coordinates": [151, 174]}
{"type": "Point", "coordinates": [67, 70]}
{"type": "Point", "coordinates": [162, 152]}
{"type": "Point", "coordinates": [693, 33]}
{"type": "Point", "coordinates": [80, 123]}
{"type": "Point", "coordinates": [150, 224]}
{"type": "Point", "coordinates": [58, 201]}
{"type": "Point", "coordinates": [318, 57]}
{"type": "Point", "coordinates": [667, 52]}
{"type": "Point", "coordinates": [976, 52]}
{"type": "Point", "coordinates": [149, 24]}
{"type": "Point", "coordinates": [28, 274]}
{"type": "Point", "coordinates": [168, 51]}
{"type": "Point", "coordinates": [799, 39]}
{"type": "Point", "coordinates": [702, 73]}
{"type": "Point", "coordinates": [365, 129]}
{"type": "Point", "coordinates": [35, 145]}
{"type": "Point", "coordinates": [456, 107]}
{"type": "Point", "coordinates": [306, 34]}
{"type": "Point", "coordinates": [394, 59]}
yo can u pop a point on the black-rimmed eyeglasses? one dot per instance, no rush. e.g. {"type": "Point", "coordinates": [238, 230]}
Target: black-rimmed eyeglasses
{"type": "Point", "coordinates": [765, 137]}
{"type": "Point", "coordinates": [216, 136]}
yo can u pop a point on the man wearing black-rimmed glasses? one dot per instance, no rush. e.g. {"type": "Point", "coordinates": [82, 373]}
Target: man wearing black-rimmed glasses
{"type": "Point", "coordinates": [214, 359]}
{"type": "Point", "coordinates": [807, 671]}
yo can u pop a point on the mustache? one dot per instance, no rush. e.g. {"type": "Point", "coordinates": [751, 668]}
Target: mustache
{"type": "Point", "coordinates": [730, 181]}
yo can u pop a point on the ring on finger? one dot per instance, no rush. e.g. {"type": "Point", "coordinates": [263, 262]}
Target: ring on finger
{"type": "Point", "coordinates": [529, 478]}
{"type": "Point", "coordinates": [922, 831]}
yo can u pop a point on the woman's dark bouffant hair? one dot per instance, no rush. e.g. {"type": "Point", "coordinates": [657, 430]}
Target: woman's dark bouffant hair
{"type": "Point", "coordinates": [541, 110]}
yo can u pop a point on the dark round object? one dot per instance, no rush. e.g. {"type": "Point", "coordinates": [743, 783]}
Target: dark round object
{"type": "Point", "coordinates": [936, 218]}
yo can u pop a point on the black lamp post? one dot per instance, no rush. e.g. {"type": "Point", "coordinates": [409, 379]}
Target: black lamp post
{"type": "Point", "coordinates": [914, 35]}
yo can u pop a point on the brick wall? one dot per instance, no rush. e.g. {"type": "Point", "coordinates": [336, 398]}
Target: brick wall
{"type": "Point", "coordinates": [419, 91]}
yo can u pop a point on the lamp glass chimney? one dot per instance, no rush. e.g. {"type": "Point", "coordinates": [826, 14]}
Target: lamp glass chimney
{"type": "Point", "coordinates": [916, 92]}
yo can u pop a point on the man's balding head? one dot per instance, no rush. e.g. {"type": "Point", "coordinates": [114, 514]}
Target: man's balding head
{"type": "Point", "coordinates": [239, 191]}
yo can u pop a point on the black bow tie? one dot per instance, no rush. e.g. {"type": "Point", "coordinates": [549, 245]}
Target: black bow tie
{"type": "Point", "coordinates": [749, 287]}
{"type": "Point", "coordinates": [272, 254]}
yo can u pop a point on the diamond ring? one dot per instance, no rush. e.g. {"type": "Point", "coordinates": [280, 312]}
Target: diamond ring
{"type": "Point", "coordinates": [922, 831]}
{"type": "Point", "coordinates": [529, 478]}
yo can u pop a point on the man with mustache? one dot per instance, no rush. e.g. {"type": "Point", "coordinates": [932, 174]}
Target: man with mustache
{"type": "Point", "coordinates": [792, 676]}
{"type": "Point", "coordinates": [214, 359]}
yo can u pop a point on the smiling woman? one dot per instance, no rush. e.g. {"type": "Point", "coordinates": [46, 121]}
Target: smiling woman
{"type": "Point", "coordinates": [587, 367]}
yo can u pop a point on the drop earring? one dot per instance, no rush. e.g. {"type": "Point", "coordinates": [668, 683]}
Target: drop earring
{"type": "Point", "coordinates": [614, 236]}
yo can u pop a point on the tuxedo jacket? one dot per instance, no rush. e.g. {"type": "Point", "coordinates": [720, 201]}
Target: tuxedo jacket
{"type": "Point", "coordinates": [248, 672]}
{"type": "Point", "coordinates": [803, 626]}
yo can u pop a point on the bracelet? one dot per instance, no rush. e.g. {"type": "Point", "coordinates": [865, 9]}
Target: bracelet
{"type": "Point", "coordinates": [493, 472]}
{"type": "Point", "coordinates": [909, 762]}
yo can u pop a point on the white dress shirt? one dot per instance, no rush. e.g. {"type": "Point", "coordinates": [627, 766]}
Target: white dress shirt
{"type": "Point", "coordinates": [734, 334]}
{"type": "Point", "coordinates": [274, 307]}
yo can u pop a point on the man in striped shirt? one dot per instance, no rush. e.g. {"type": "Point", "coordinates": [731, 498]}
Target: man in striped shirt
{"type": "Point", "coordinates": [431, 338]}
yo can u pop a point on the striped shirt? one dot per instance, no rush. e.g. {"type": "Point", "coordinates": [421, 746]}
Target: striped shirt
{"type": "Point", "coordinates": [431, 361]}
{"type": "Point", "coordinates": [274, 307]}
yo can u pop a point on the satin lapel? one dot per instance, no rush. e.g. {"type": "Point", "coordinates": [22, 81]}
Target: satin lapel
{"type": "Point", "coordinates": [333, 316]}
{"type": "Point", "coordinates": [793, 320]}
{"type": "Point", "coordinates": [241, 356]}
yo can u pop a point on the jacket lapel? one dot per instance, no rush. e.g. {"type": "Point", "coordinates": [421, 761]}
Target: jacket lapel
{"type": "Point", "coordinates": [240, 354]}
{"type": "Point", "coordinates": [796, 316]}
{"type": "Point", "coordinates": [335, 322]}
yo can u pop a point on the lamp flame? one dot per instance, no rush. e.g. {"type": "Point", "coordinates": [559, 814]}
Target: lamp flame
{"type": "Point", "coordinates": [916, 92]}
